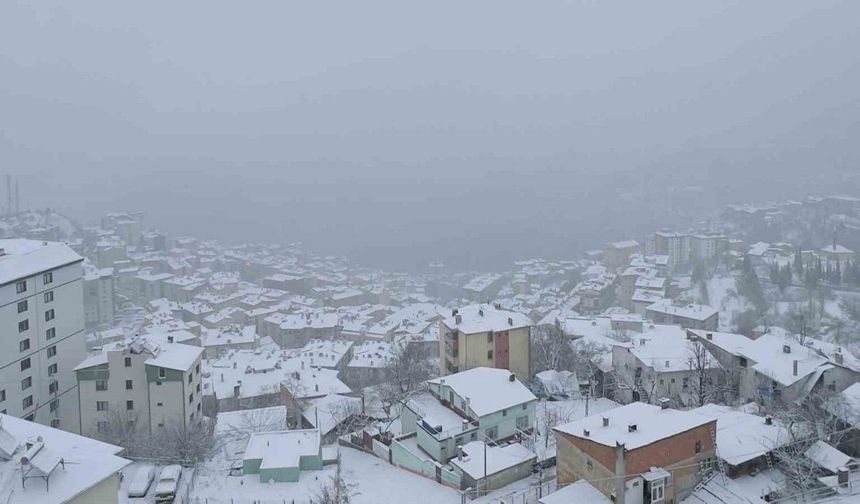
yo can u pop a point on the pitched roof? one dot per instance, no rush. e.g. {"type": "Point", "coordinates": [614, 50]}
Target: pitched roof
{"type": "Point", "coordinates": [487, 389]}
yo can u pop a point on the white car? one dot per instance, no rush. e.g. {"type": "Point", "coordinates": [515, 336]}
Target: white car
{"type": "Point", "coordinates": [165, 490]}
{"type": "Point", "coordinates": [141, 482]}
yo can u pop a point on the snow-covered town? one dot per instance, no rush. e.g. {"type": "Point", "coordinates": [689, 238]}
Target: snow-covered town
{"type": "Point", "coordinates": [693, 366]}
{"type": "Point", "coordinates": [448, 252]}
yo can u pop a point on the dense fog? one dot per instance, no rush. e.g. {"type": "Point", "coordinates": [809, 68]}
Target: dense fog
{"type": "Point", "coordinates": [398, 133]}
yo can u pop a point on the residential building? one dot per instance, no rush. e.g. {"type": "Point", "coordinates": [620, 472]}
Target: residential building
{"type": "Point", "coordinates": [616, 254]}
{"type": "Point", "coordinates": [60, 466]}
{"type": "Point", "coordinates": [688, 316]}
{"type": "Point", "coordinates": [282, 456]}
{"type": "Point", "coordinates": [42, 316]}
{"type": "Point", "coordinates": [675, 245]}
{"type": "Point", "coordinates": [98, 296]}
{"type": "Point", "coordinates": [475, 405]}
{"type": "Point", "coordinates": [485, 336]}
{"type": "Point", "coordinates": [777, 368]}
{"type": "Point", "coordinates": [637, 453]}
{"type": "Point", "coordinates": [487, 467]}
{"type": "Point", "coordinates": [153, 385]}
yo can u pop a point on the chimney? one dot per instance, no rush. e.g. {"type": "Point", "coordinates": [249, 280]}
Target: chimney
{"type": "Point", "coordinates": [458, 319]}
{"type": "Point", "coordinates": [480, 312]}
{"type": "Point", "coordinates": [631, 428]}
{"type": "Point", "coordinates": [234, 364]}
{"type": "Point", "coordinates": [170, 339]}
{"type": "Point", "coordinates": [606, 421]}
{"type": "Point", "coordinates": [460, 453]}
{"type": "Point", "coordinates": [512, 378]}
{"type": "Point", "coordinates": [710, 336]}
{"type": "Point", "coordinates": [586, 433]}
{"type": "Point", "coordinates": [510, 321]}
{"type": "Point", "coordinates": [465, 424]}
{"type": "Point", "coordinates": [794, 367]}
{"type": "Point", "coordinates": [786, 348]}
{"type": "Point", "coordinates": [236, 390]}
{"type": "Point", "coordinates": [454, 312]}
{"type": "Point", "coordinates": [768, 420]}
{"type": "Point", "coordinates": [837, 357]}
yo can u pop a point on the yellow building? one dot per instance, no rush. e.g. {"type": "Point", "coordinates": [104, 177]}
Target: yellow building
{"type": "Point", "coordinates": [484, 335]}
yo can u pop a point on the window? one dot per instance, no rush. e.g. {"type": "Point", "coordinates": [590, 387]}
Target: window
{"type": "Point", "coordinates": [699, 446]}
{"type": "Point", "coordinates": [525, 406]}
{"type": "Point", "coordinates": [101, 405]}
{"type": "Point", "coordinates": [23, 325]}
{"type": "Point", "coordinates": [523, 422]}
{"type": "Point", "coordinates": [198, 388]}
{"type": "Point", "coordinates": [197, 368]}
{"type": "Point", "coordinates": [52, 351]}
{"type": "Point", "coordinates": [129, 385]}
{"type": "Point", "coordinates": [53, 387]}
{"type": "Point", "coordinates": [189, 377]}
{"type": "Point", "coordinates": [686, 383]}
{"type": "Point", "coordinates": [55, 404]}
{"type": "Point", "coordinates": [55, 423]}
{"type": "Point", "coordinates": [24, 345]}
{"type": "Point", "coordinates": [162, 372]}
{"type": "Point", "coordinates": [26, 383]}
{"type": "Point", "coordinates": [49, 296]}
{"type": "Point", "coordinates": [590, 465]}
{"type": "Point", "coordinates": [49, 315]}
{"type": "Point", "coordinates": [22, 306]}
{"type": "Point", "coordinates": [48, 278]}
{"type": "Point", "coordinates": [2, 395]}
{"type": "Point", "coordinates": [159, 404]}
{"type": "Point", "coordinates": [504, 412]}
{"type": "Point", "coordinates": [743, 362]}
{"type": "Point", "coordinates": [21, 286]}
{"type": "Point", "coordinates": [191, 398]}
{"type": "Point", "coordinates": [25, 364]}
{"type": "Point", "coordinates": [51, 333]}
{"type": "Point", "coordinates": [102, 426]}
{"type": "Point", "coordinates": [673, 380]}
{"type": "Point", "coordinates": [662, 381]}
{"type": "Point", "coordinates": [657, 490]}
{"type": "Point", "coordinates": [101, 385]}
{"type": "Point", "coordinates": [52, 370]}
{"type": "Point", "coordinates": [30, 417]}
{"type": "Point", "coordinates": [492, 432]}
{"type": "Point", "coordinates": [158, 383]}
{"type": "Point", "coordinates": [128, 362]}
{"type": "Point", "coordinates": [489, 354]}
{"type": "Point", "coordinates": [129, 405]}
{"type": "Point", "coordinates": [199, 405]}
{"type": "Point", "coordinates": [27, 402]}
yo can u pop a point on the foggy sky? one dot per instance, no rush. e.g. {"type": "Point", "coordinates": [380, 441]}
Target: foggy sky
{"type": "Point", "coordinates": [398, 133]}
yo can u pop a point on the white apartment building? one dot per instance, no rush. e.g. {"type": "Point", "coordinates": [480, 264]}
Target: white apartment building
{"type": "Point", "coordinates": [42, 320]}
{"type": "Point", "coordinates": [98, 296]}
{"type": "Point", "coordinates": [153, 385]}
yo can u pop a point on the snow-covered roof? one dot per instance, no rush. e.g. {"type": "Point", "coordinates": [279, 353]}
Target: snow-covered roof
{"type": "Point", "coordinates": [283, 449]}
{"type": "Point", "coordinates": [652, 424]}
{"type": "Point", "coordinates": [478, 318]}
{"type": "Point", "coordinates": [827, 456]}
{"type": "Point", "coordinates": [371, 354]}
{"type": "Point", "coordinates": [498, 458]}
{"type": "Point", "coordinates": [558, 382]}
{"type": "Point", "coordinates": [742, 437]}
{"type": "Point", "coordinates": [689, 311]}
{"type": "Point", "coordinates": [176, 356]}
{"type": "Point", "coordinates": [434, 413]}
{"type": "Point", "coordinates": [23, 258]}
{"type": "Point", "coordinates": [87, 463]}
{"type": "Point", "coordinates": [846, 406]}
{"type": "Point", "coordinates": [580, 492]}
{"type": "Point", "coordinates": [326, 413]}
{"type": "Point", "coordinates": [488, 389]}
{"type": "Point", "coordinates": [665, 348]}
{"type": "Point", "coordinates": [837, 249]}
{"type": "Point", "coordinates": [231, 334]}
{"type": "Point", "coordinates": [273, 418]}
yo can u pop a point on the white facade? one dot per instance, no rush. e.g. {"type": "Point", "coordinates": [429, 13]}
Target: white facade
{"type": "Point", "coordinates": [98, 297]}
{"type": "Point", "coordinates": [42, 316]}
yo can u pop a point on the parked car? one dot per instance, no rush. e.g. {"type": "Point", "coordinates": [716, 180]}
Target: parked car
{"type": "Point", "coordinates": [141, 482]}
{"type": "Point", "coordinates": [165, 490]}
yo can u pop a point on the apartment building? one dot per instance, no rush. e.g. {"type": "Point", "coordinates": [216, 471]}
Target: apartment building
{"type": "Point", "coordinates": [484, 335]}
{"type": "Point", "coordinates": [98, 296]}
{"type": "Point", "coordinates": [42, 316]}
{"type": "Point", "coordinates": [688, 316]}
{"type": "Point", "coordinates": [154, 385]}
{"type": "Point", "coordinates": [675, 245]}
{"type": "Point", "coordinates": [638, 453]}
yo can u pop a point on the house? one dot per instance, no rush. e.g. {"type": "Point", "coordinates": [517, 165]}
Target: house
{"type": "Point", "coordinates": [475, 405]}
{"type": "Point", "coordinates": [282, 456]}
{"type": "Point", "coordinates": [332, 413]}
{"type": "Point", "coordinates": [689, 316]}
{"type": "Point", "coordinates": [484, 335]}
{"type": "Point", "coordinates": [39, 464]}
{"type": "Point", "coordinates": [637, 450]}
{"type": "Point", "coordinates": [616, 254]}
{"type": "Point", "coordinates": [150, 384]}
{"type": "Point", "coordinates": [487, 467]}
{"type": "Point", "coordinates": [557, 384]}
{"type": "Point", "coordinates": [745, 442]}
{"type": "Point", "coordinates": [369, 363]}
{"type": "Point", "coordinates": [229, 337]}
{"type": "Point", "coordinates": [776, 367]}
{"type": "Point", "coordinates": [836, 254]}
{"type": "Point", "coordinates": [661, 362]}
{"type": "Point", "coordinates": [580, 492]}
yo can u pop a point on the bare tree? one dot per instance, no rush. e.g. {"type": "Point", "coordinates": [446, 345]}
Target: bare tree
{"type": "Point", "coordinates": [337, 490]}
{"type": "Point", "coordinates": [551, 349]}
{"type": "Point", "coordinates": [709, 382]}
{"type": "Point", "coordinates": [586, 363]}
{"type": "Point", "coordinates": [407, 373]}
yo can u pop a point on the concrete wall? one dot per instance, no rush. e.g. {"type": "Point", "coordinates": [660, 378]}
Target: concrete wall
{"type": "Point", "coordinates": [105, 492]}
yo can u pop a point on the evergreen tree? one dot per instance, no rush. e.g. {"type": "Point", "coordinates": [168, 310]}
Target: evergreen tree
{"type": "Point", "coordinates": [798, 263]}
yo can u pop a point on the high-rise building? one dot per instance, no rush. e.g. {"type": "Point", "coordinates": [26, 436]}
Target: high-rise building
{"type": "Point", "coordinates": [42, 338]}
